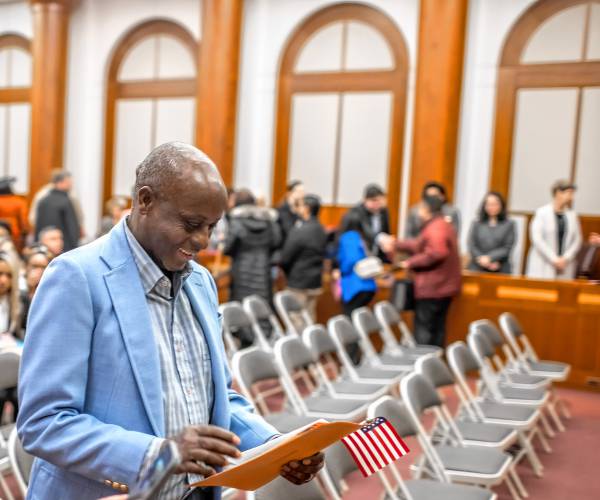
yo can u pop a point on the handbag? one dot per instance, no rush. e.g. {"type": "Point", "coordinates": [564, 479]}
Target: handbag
{"type": "Point", "coordinates": [369, 267]}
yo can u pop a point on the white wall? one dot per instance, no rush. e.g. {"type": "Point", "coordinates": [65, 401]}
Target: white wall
{"type": "Point", "coordinates": [16, 18]}
{"type": "Point", "coordinates": [489, 22]}
{"type": "Point", "coordinates": [267, 25]}
{"type": "Point", "coordinates": [95, 28]}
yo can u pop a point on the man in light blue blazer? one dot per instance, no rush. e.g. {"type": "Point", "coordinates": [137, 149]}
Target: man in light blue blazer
{"type": "Point", "coordinates": [96, 386]}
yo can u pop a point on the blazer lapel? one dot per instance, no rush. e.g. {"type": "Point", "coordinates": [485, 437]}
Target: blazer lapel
{"type": "Point", "coordinates": [203, 314]}
{"type": "Point", "coordinates": [129, 302]}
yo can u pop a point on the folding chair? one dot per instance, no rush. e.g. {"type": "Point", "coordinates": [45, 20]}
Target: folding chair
{"type": "Point", "coordinates": [292, 355]}
{"type": "Point", "coordinates": [527, 360]}
{"type": "Point", "coordinates": [506, 371]}
{"type": "Point", "coordinates": [366, 325]}
{"type": "Point", "coordinates": [252, 366]}
{"type": "Point", "coordinates": [418, 489]}
{"type": "Point", "coordinates": [281, 488]}
{"type": "Point", "coordinates": [475, 465]}
{"type": "Point", "coordinates": [321, 347]}
{"type": "Point", "coordinates": [523, 418]}
{"type": "Point", "coordinates": [503, 390]}
{"type": "Point", "coordinates": [21, 462]}
{"type": "Point", "coordinates": [344, 335]}
{"type": "Point", "coordinates": [295, 317]}
{"type": "Point", "coordinates": [264, 322]}
{"type": "Point", "coordinates": [237, 326]}
{"type": "Point", "coordinates": [388, 317]}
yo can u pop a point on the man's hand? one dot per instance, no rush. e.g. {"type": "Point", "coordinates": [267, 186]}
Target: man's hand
{"type": "Point", "coordinates": [484, 261]}
{"type": "Point", "coordinates": [560, 264]}
{"type": "Point", "coordinates": [386, 242]}
{"type": "Point", "coordinates": [302, 471]}
{"type": "Point", "coordinates": [594, 239]}
{"type": "Point", "coordinates": [204, 447]}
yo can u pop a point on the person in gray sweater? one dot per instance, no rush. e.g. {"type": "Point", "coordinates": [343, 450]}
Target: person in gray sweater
{"type": "Point", "coordinates": [491, 237]}
{"type": "Point", "coordinates": [414, 224]}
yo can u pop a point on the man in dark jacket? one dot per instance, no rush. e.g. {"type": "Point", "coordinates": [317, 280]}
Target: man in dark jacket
{"type": "Point", "coordinates": [252, 237]}
{"type": "Point", "coordinates": [414, 224]}
{"type": "Point", "coordinates": [56, 209]}
{"type": "Point", "coordinates": [373, 214]}
{"type": "Point", "coordinates": [303, 253]}
{"type": "Point", "coordinates": [288, 210]}
{"type": "Point", "coordinates": [436, 269]}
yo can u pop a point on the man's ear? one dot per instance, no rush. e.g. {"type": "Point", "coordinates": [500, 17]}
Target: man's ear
{"type": "Point", "coordinates": [145, 199]}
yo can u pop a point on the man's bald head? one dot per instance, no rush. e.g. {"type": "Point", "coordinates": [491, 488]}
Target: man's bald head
{"type": "Point", "coordinates": [179, 197]}
{"type": "Point", "coordinates": [170, 164]}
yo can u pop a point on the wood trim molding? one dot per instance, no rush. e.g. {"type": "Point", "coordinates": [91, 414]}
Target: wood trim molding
{"type": "Point", "coordinates": [514, 75]}
{"type": "Point", "coordinates": [15, 94]}
{"type": "Point", "coordinates": [394, 81]}
{"type": "Point", "coordinates": [174, 87]}
{"type": "Point", "coordinates": [518, 293]}
{"type": "Point", "coordinates": [11, 39]}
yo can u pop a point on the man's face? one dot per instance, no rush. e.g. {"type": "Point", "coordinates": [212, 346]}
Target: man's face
{"type": "Point", "coordinates": [54, 241]}
{"type": "Point", "coordinates": [433, 191]}
{"type": "Point", "coordinates": [566, 197]}
{"type": "Point", "coordinates": [5, 278]}
{"type": "Point", "coordinates": [375, 205]}
{"type": "Point", "coordinates": [177, 224]}
{"type": "Point", "coordinates": [296, 196]}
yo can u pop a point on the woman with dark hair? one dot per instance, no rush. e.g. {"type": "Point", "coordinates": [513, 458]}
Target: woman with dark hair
{"type": "Point", "coordinates": [356, 291]}
{"type": "Point", "coordinates": [491, 237]}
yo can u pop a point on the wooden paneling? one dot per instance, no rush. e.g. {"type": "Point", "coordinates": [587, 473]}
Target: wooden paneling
{"type": "Point", "coordinates": [49, 50]}
{"type": "Point", "coordinates": [218, 81]}
{"type": "Point", "coordinates": [394, 81]}
{"type": "Point", "coordinates": [174, 87]}
{"type": "Point", "coordinates": [439, 78]}
{"type": "Point", "coordinates": [15, 94]}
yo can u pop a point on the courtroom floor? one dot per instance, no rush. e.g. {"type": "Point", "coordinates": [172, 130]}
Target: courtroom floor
{"type": "Point", "coordinates": [571, 471]}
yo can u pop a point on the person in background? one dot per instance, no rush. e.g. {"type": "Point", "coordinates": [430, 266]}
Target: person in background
{"type": "Point", "coordinates": [373, 215]}
{"type": "Point", "coordinates": [43, 191]}
{"type": "Point", "coordinates": [217, 238]}
{"type": "Point", "coordinates": [114, 211]}
{"type": "Point", "coordinates": [252, 237]}
{"type": "Point", "coordinates": [303, 254]}
{"type": "Point", "coordinates": [352, 247]}
{"type": "Point", "coordinates": [10, 306]}
{"type": "Point", "coordinates": [52, 238]}
{"type": "Point", "coordinates": [555, 236]}
{"type": "Point", "coordinates": [436, 269]}
{"type": "Point", "coordinates": [414, 223]}
{"type": "Point", "coordinates": [56, 209]}
{"type": "Point", "coordinates": [491, 237]}
{"type": "Point", "coordinates": [37, 258]}
{"type": "Point", "coordinates": [288, 210]}
{"type": "Point", "coordinates": [13, 210]}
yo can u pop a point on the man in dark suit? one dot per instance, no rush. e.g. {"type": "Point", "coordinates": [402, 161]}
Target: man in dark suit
{"type": "Point", "coordinates": [373, 214]}
{"type": "Point", "coordinates": [288, 210]}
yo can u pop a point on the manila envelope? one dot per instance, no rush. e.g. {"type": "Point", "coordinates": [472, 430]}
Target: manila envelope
{"type": "Point", "coordinates": [261, 469]}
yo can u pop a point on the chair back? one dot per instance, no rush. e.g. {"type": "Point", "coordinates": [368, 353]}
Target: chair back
{"type": "Point", "coordinates": [419, 394]}
{"type": "Point", "coordinates": [237, 327]}
{"type": "Point", "coordinates": [253, 365]}
{"type": "Point", "coordinates": [264, 322]}
{"type": "Point", "coordinates": [480, 346]}
{"type": "Point", "coordinates": [366, 325]}
{"type": "Point", "coordinates": [342, 330]}
{"type": "Point", "coordinates": [293, 354]}
{"type": "Point", "coordinates": [291, 311]}
{"type": "Point", "coordinates": [281, 488]}
{"type": "Point", "coordinates": [20, 460]}
{"type": "Point", "coordinates": [489, 330]}
{"type": "Point", "coordinates": [388, 317]}
{"type": "Point", "coordinates": [395, 412]}
{"type": "Point", "coordinates": [9, 368]}
{"type": "Point", "coordinates": [319, 342]}
{"type": "Point", "coordinates": [435, 371]}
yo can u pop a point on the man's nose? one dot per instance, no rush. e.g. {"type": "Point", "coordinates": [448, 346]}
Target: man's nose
{"type": "Point", "coordinates": [201, 238]}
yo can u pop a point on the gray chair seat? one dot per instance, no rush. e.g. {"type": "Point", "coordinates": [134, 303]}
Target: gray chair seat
{"type": "Point", "coordinates": [371, 372]}
{"type": "Point", "coordinates": [324, 404]}
{"type": "Point", "coordinates": [472, 460]}
{"type": "Point", "coordinates": [502, 411]}
{"type": "Point", "coordinates": [488, 433]}
{"type": "Point", "coordinates": [548, 366]}
{"type": "Point", "coordinates": [421, 350]}
{"type": "Point", "coordinates": [425, 489]}
{"type": "Point", "coordinates": [516, 393]}
{"type": "Point", "coordinates": [388, 359]}
{"type": "Point", "coordinates": [350, 387]}
{"type": "Point", "coordinates": [287, 422]}
{"type": "Point", "coordinates": [526, 379]}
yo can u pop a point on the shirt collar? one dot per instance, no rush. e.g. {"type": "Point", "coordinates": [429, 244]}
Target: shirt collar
{"type": "Point", "coordinates": [151, 275]}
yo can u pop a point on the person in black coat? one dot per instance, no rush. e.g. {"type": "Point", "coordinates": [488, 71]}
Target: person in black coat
{"type": "Point", "coordinates": [288, 210]}
{"type": "Point", "coordinates": [492, 237]}
{"type": "Point", "coordinates": [252, 237]}
{"type": "Point", "coordinates": [303, 254]}
{"type": "Point", "coordinates": [56, 209]}
{"type": "Point", "coordinates": [373, 215]}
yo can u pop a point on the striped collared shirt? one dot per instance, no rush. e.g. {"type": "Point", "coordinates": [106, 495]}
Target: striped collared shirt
{"type": "Point", "coordinates": [187, 389]}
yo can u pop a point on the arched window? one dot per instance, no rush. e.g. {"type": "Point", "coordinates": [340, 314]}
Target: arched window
{"type": "Point", "coordinates": [548, 106]}
{"type": "Point", "coordinates": [151, 98]}
{"type": "Point", "coordinates": [341, 105]}
{"type": "Point", "coordinates": [15, 108]}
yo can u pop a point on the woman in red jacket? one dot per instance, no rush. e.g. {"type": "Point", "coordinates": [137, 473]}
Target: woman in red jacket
{"type": "Point", "coordinates": [436, 269]}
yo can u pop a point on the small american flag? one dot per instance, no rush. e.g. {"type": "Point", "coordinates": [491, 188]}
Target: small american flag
{"type": "Point", "coordinates": [375, 445]}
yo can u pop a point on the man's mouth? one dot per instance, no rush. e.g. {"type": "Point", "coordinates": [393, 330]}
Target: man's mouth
{"type": "Point", "coordinates": [185, 254]}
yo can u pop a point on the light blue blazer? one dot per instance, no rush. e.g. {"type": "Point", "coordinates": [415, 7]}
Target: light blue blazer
{"type": "Point", "coordinates": [90, 382]}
